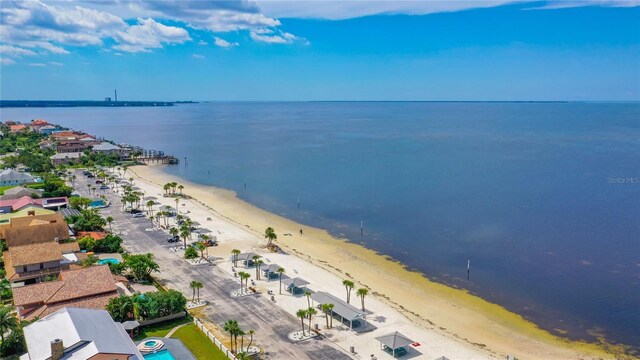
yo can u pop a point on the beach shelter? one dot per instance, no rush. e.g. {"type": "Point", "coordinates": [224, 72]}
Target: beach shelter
{"type": "Point", "coordinates": [394, 343]}
{"type": "Point", "coordinates": [341, 308]}
{"type": "Point", "coordinates": [295, 285]}
{"type": "Point", "coordinates": [270, 271]}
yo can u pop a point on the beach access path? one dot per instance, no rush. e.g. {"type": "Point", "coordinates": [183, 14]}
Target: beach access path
{"type": "Point", "coordinates": [270, 323]}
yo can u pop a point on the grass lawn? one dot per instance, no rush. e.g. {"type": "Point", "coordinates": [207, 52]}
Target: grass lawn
{"type": "Point", "coordinates": [198, 343]}
{"type": "Point", "coordinates": [161, 329]}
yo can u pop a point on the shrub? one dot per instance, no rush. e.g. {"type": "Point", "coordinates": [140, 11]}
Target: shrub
{"type": "Point", "coordinates": [190, 253]}
{"type": "Point", "coordinates": [87, 243]}
{"type": "Point", "coordinates": [110, 244]}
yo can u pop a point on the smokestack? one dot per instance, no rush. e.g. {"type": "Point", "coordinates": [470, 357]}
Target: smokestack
{"type": "Point", "coordinates": [57, 349]}
{"type": "Point", "coordinates": [115, 93]}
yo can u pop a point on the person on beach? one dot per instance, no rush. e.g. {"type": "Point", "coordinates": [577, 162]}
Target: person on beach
{"type": "Point", "coordinates": [300, 231]}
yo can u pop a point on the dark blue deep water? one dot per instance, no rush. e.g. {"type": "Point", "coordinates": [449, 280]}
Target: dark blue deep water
{"type": "Point", "coordinates": [544, 198]}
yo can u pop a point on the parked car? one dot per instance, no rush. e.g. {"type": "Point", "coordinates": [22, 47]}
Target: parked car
{"type": "Point", "coordinates": [173, 239]}
{"type": "Point", "coordinates": [104, 187]}
{"type": "Point", "coordinates": [135, 211]}
{"type": "Point", "coordinates": [90, 175]}
{"type": "Point", "coordinates": [98, 181]}
{"type": "Point", "coordinates": [138, 215]}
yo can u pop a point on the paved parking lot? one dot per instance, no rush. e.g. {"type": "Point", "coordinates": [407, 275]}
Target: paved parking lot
{"type": "Point", "coordinates": [271, 324]}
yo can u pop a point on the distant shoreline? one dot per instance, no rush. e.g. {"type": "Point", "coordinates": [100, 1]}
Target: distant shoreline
{"type": "Point", "coordinates": [86, 103]}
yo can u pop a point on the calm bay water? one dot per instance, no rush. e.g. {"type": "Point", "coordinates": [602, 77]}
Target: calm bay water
{"type": "Point", "coordinates": [544, 198]}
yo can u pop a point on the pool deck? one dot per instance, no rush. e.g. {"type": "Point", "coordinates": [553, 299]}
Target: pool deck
{"type": "Point", "coordinates": [110, 256]}
{"type": "Point", "coordinates": [175, 347]}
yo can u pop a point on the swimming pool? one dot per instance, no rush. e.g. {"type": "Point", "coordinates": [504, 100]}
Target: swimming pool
{"type": "Point", "coordinates": [160, 355]}
{"type": "Point", "coordinates": [109, 261]}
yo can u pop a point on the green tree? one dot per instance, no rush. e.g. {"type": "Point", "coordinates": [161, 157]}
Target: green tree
{"type": "Point", "coordinates": [307, 294]}
{"type": "Point", "coordinates": [348, 285]}
{"type": "Point", "coordinates": [5, 289]}
{"type": "Point", "coordinates": [8, 321]}
{"type": "Point", "coordinates": [243, 278]}
{"type": "Point", "coordinates": [190, 253]}
{"type": "Point", "coordinates": [231, 326]}
{"type": "Point", "coordinates": [326, 310]}
{"type": "Point", "coordinates": [87, 243]}
{"type": "Point", "coordinates": [109, 220]}
{"type": "Point", "coordinates": [258, 265]}
{"type": "Point", "coordinates": [198, 287]}
{"type": "Point", "coordinates": [192, 285]}
{"type": "Point", "coordinates": [250, 332]}
{"type": "Point", "coordinates": [180, 187]}
{"type": "Point", "coordinates": [302, 314]}
{"type": "Point", "coordinates": [270, 235]}
{"type": "Point", "coordinates": [235, 253]}
{"type": "Point", "coordinates": [121, 308]}
{"type": "Point", "coordinates": [142, 265]}
{"type": "Point", "coordinates": [311, 312]}
{"type": "Point", "coordinates": [280, 273]}
{"type": "Point", "coordinates": [201, 246]}
{"type": "Point", "coordinates": [362, 292]}
{"type": "Point", "coordinates": [79, 203]}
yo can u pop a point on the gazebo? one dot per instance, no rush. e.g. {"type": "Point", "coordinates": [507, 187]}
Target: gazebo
{"type": "Point", "coordinates": [341, 308]}
{"type": "Point", "coordinates": [130, 326]}
{"type": "Point", "coordinates": [245, 259]}
{"type": "Point", "coordinates": [270, 271]}
{"type": "Point", "coordinates": [295, 285]}
{"type": "Point", "coordinates": [394, 343]}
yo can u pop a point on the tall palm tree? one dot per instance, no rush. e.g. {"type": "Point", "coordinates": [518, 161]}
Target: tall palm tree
{"type": "Point", "coordinates": [177, 201]}
{"type": "Point", "coordinates": [326, 310]}
{"type": "Point", "coordinates": [242, 334]}
{"type": "Point", "coordinates": [184, 234]}
{"type": "Point", "coordinates": [198, 287]}
{"type": "Point", "coordinates": [8, 321]}
{"type": "Point", "coordinates": [244, 277]}
{"type": "Point", "coordinates": [330, 307]}
{"type": "Point", "coordinates": [258, 264]}
{"type": "Point", "coordinates": [280, 272]}
{"type": "Point", "coordinates": [255, 260]}
{"type": "Point", "coordinates": [174, 232]}
{"type": "Point", "coordinates": [302, 314]}
{"type": "Point", "coordinates": [109, 220]}
{"type": "Point", "coordinates": [193, 284]}
{"type": "Point", "coordinates": [231, 326]}
{"type": "Point", "coordinates": [307, 293]}
{"type": "Point", "coordinates": [201, 246]}
{"type": "Point", "coordinates": [270, 235]}
{"type": "Point", "coordinates": [235, 253]}
{"type": "Point", "coordinates": [173, 186]}
{"type": "Point", "coordinates": [310, 312]}
{"type": "Point", "coordinates": [250, 333]}
{"type": "Point", "coordinates": [150, 204]}
{"type": "Point", "coordinates": [166, 188]}
{"type": "Point", "coordinates": [181, 187]}
{"type": "Point", "coordinates": [362, 292]}
{"type": "Point", "coordinates": [348, 285]}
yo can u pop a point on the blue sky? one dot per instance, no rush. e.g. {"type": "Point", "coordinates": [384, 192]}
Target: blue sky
{"type": "Point", "coordinates": [321, 50]}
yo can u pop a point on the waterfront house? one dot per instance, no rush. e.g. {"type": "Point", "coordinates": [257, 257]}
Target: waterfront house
{"type": "Point", "coordinates": [85, 287]}
{"type": "Point", "coordinates": [10, 177]}
{"type": "Point", "coordinates": [72, 146]}
{"type": "Point", "coordinates": [17, 128]}
{"type": "Point", "coordinates": [76, 333]}
{"type": "Point", "coordinates": [107, 148]}
{"type": "Point", "coordinates": [66, 158]}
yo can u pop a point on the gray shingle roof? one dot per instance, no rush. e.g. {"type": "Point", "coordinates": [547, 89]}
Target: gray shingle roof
{"type": "Point", "coordinates": [105, 146]}
{"type": "Point", "coordinates": [394, 340]}
{"type": "Point", "coordinates": [13, 175]}
{"type": "Point", "coordinates": [295, 282]}
{"type": "Point", "coordinates": [340, 307]}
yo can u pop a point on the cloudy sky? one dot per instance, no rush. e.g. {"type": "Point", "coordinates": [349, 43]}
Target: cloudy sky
{"type": "Point", "coordinates": [320, 50]}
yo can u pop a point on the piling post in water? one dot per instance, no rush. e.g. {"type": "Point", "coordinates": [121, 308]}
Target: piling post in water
{"type": "Point", "coordinates": [298, 202]}
{"type": "Point", "coordinates": [361, 228]}
{"type": "Point", "coordinates": [468, 268]}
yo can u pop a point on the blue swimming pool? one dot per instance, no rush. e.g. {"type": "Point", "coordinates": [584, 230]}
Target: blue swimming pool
{"type": "Point", "coordinates": [108, 261]}
{"type": "Point", "coordinates": [160, 355]}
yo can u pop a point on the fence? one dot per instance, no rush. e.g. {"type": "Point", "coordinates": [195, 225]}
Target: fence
{"type": "Point", "coordinates": [215, 340]}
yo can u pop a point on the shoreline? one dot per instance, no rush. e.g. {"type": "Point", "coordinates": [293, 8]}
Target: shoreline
{"type": "Point", "coordinates": [452, 312]}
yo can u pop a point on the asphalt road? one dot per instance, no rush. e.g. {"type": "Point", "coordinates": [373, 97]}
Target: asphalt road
{"type": "Point", "coordinates": [270, 323]}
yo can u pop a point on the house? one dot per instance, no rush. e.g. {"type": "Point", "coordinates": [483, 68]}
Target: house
{"type": "Point", "coordinates": [76, 333]}
{"type": "Point", "coordinates": [20, 191]}
{"type": "Point", "coordinates": [47, 129]}
{"type": "Point", "coordinates": [7, 206]}
{"type": "Point", "coordinates": [72, 146]}
{"type": "Point", "coordinates": [10, 177]}
{"type": "Point", "coordinates": [106, 148]}
{"type": "Point", "coordinates": [17, 128]}
{"type": "Point", "coordinates": [28, 211]}
{"type": "Point", "coordinates": [66, 158]}
{"type": "Point", "coordinates": [34, 229]}
{"type": "Point", "coordinates": [95, 235]}
{"type": "Point", "coordinates": [66, 135]}
{"type": "Point", "coordinates": [86, 287]}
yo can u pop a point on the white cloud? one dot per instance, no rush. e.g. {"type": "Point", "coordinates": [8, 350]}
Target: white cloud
{"type": "Point", "coordinates": [196, 56]}
{"type": "Point", "coordinates": [224, 43]}
{"type": "Point", "coordinates": [202, 43]}
{"type": "Point", "coordinates": [272, 37]}
{"type": "Point", "coordinates": [550, 5]}
{"type": "Point", "coordinates": [8, 50]}
{"type": "Point", "coordinates": [6, 61]}
{"type": "Point", "coordinates": [53, 63]}
{"type": "Point", "coordinates": [38, 64]}
{"type": "Point", "coordinates": [149, 34]}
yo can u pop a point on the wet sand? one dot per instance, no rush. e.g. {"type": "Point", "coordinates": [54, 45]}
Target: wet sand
{"type": "Point", "coordinates": [433, 306]}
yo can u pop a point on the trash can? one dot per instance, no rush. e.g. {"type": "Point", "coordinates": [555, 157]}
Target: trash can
{"type": "Point", "coordinates": [352, 349]}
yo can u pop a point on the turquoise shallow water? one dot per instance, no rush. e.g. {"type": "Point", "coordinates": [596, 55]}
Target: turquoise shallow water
{"type": "Point", "coordinates": [543, 198]}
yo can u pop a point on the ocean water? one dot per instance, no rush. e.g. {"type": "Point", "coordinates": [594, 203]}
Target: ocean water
{"type": "Point", "coordinates": [542, 198]}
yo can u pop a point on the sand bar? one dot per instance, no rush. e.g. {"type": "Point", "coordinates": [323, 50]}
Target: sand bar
{"type": "Point", "coordinates": [454, 313]}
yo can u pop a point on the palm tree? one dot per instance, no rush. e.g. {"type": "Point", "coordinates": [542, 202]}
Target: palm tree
{"type": "Point", "coordinates": [243, 278]}
{"type": "Point", "coordinates": [255, 260]}
{"type": "Point", "coordinates": [326, 310]}
{"type": "Point", "coordinates": [362, 292]}
{"type": "Point", "coordinates": [270, 235]}
{"type": "Point", "coordinates": [242, 334]}
{"type": "Point", "coordinates": [348, 285]}
{"type": "Point", "coordinates": [150, 204]}
{"type": "Point", "coordinates": [330, 307]}
{"type": "Point", "coordinates": [177, 201]}
{"type": "Point", "coordinates": [166, 188]}
{"type": "Point", "coordinates": [201, 246]}
{"type": "Point", "coordinates": [173, 231]}
{"type": "Point", "coordinates": [307, 293]}
{"type": "Point", "coordinates": [231, 326]}
{"type": "Point", "coordinates": [198, 287]}
{"type": "Point", "coordinates": [258, 264]}
{"type": "Point", "coordinates": [173, 186]}
{"type": "Point", "coordinates": [302, 314]}
{"type": "Point", "coordinates": [280, 272]}
{"type": "Point", "coordinates": [184, 234]}
{"type": "Point", "coordinates": [193, 284]}
{"type": "Point", "coordinates": [235, 253]}
{"type": "Point", "coordinates": [8, 321]}
{"type": "Point", "coordinates": [250, 333]}
{"type": "Point", "coordinates": [310, 312]}
{"type": "Point", "coordinates": [109, 220]}
{"type": "Point", "coordinates": [180, 187]}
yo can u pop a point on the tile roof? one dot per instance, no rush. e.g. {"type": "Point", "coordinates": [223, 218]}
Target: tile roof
{"type": "Point", "coordinates": [90, 287]}
{"type": "Point", "coordinates": [34, 254]}
{"type": "Point", "coordinates": [69, 247]}
{"type": "Point", "coordinates": [96, 235]}
{"type": "Point", "coordinates": [34, 229]}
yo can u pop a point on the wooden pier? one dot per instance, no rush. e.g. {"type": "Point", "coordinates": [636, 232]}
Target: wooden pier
{"type": "Point", "coordinates": [155, 157]}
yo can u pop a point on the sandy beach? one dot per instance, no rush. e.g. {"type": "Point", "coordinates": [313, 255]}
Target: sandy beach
{"type": "Point", "coordinates": [478, 327]}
